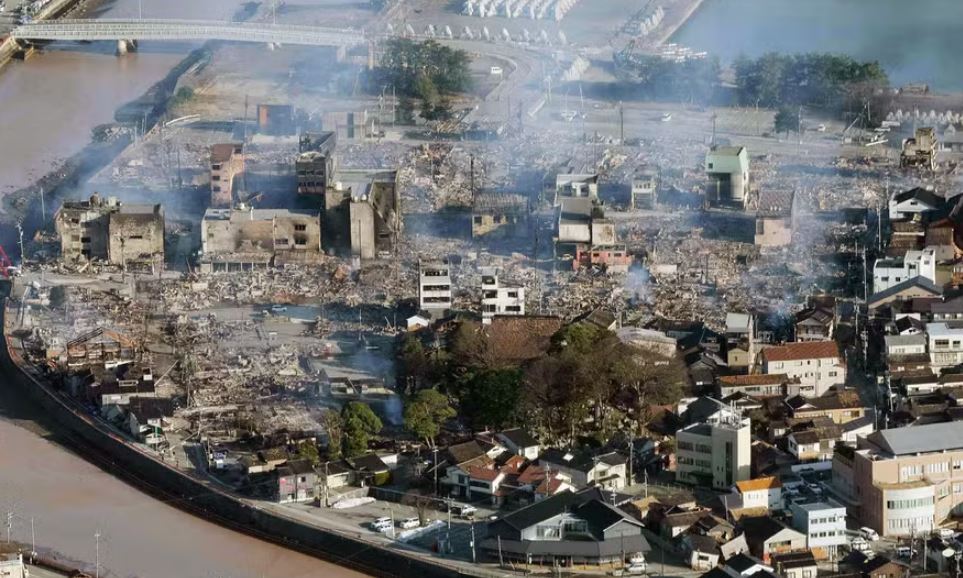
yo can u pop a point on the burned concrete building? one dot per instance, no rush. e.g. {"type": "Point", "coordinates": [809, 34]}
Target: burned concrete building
{"type": "Point", "coordinates": [316, 162]}
{"type": "Point", "coordinates": [645, 186]}
{"type": "Point", "coordinates": [227, 162]}
{"type": "Point", "coordinates": [434, 287]}
{"type": "Point", "coordinates": [728, 170]}
{"type": "Point", "coordinates": [576, 185]}
{"type": "Point", "coordinates": [774, 219]}
{"type": "Point", "coordinates": [588, 237]}
{"type": "Point", "coordinates": [106, 229]}
{"type": "Point", "coordinates": [243, 238]}
{"type": "Point", "coordinates": [362, 211]}
{"type": "Point", "coordinates": [275, 119]}
{"type": "Point", "coordinates": [919, 151]}
{"type": "Point", "coordinates": [499, 215]}
{"type": "Point", "coordinates": [499, 299]}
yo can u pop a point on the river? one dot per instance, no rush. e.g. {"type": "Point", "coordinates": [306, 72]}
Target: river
{"type": "Point", "coordinates": [916, 41]}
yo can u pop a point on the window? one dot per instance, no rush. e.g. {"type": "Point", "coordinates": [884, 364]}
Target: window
{"type": "Point", "coordinates": [85, 239]}
{"type": "Point", "coordinates": [282, 242]}
{"type": "Point", "coordinates": [215, 167]}
{"type": "Point", "coordinates": [300, 228]}
{"type": "Point", "coordinates": [216, 178]}
{"type": "Point", "coordinates": [548, 532]}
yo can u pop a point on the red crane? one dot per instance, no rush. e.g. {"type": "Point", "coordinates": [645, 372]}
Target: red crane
{"type": "Point", "coordinates": [5, 263]}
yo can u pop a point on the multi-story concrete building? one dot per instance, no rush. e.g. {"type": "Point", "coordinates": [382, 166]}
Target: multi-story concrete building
{"type": "Point", "coordinates": [762, 493]}
{"type": "Point", "coordinates": [645, 187]}
{"type": "Point", "coordinates": [728, 170]}
{"type": "Point", "coordinates": [817, 365]}
{"type": "Point", "coordinates": [715, 451]}
{"type": "Point", "coordinates": [316, 162]}
{"type": "Point", "coordinates": [362, 211]}
{"type": "Point", "coordinates": [574, 185]}
{"type": "Point", "coordinates": [245, 237]}
{"type": "Point", "coordinates": [930, 263]}
{"type": "Point", "coordinates": [905, 480]}
{"type": "Point", "coordinates": [434, 287]}
{"type": "Point", "coordinates": [119, 233]}
{"type": "Point", "coordinates": [824, 524]}
{"type": "Point", "coordinates": [227, 162]}
{"type": "Point", "coordinates": [499, 300]}
{"type": "Point", "coordinates": [945, 343]}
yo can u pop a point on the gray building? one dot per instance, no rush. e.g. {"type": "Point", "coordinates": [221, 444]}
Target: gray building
{"type": "Point", "coordinates": [434, 287]}
{"type": "Point", "coordinates": [106, 229]}
{"type": "Point", "coordinates": [362, 211]}
{"type": "Point", "coordinates": [728, 170]}
{"type": "Point", "coordinates": [246, 237]}
{"type": "Point", "coordinates": [567, 529]}
{"type": "Point", "coordinates": [316, 162]}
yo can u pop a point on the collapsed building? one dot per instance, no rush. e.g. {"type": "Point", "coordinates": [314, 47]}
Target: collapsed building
{"type": "Point", "coordinates": [499, 214]}
{"type": "Point", "coordinates": [576, 185]}
{"type": "Point", "coordinates": [498, 299]}
{"type": "Point", "coordinates": [728, 170]}
{"type": "Point", "coordinates": [316, 162]}
{"type": "Point", "coordinates": [363, 210]}
{"type": "Point", "coordinates": [590, 238]}
{"type": "Point", "coordinates": [245, 237]}
{"type": "Point", "coordinates": [122, 234]}
{"type": "Point", "coordinates": [919, 150]}
{"type": "Point", "coordinates": [275, 119]}
{"type": "Point", "coordinates": [774, 218]}
{"type": "Point", "coordinates": [227, 162]}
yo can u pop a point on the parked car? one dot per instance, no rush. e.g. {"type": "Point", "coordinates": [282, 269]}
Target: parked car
{"type": "Point", "coordinates": [381, 524]}
{"type": "Point", "coordinates": [859, 544]}
{"type": "Point", "coordinates": [463, 510]}
{"type": "Point", "coordinates": [869, 533]}
{"type": "Point", "coordinates": [409, 523]}
{"type": "Point", "coordinates": [945, 533]}
{"type": "Point", "coordinates": [905, 552]}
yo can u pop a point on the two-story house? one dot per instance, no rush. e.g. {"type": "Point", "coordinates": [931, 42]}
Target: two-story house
{"type": "Point", "coordinates": [818, 365]}
{"type": "Point", "coordinates": [583, 468]}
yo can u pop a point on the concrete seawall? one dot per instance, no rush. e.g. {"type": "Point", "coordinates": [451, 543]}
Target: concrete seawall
{"type": "Point", "coordinates": [56, 9]}
{"type": "Point", "coordinates": [97, 443]}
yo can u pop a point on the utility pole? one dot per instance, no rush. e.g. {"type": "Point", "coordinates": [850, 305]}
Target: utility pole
{"type": "Point", "coordinates": [43, 209]}
{"type": "Point", "coordinates": [621, 124]}
{"type": "Point", "coordinates": [473, 541]}
{"type": "Point", "coordinates": [631, 458]}
{"type": "Point", "coordinates": [97, 549]}
{"type": "Point", "coordinates": [9, 525]}
{"type": "Point", "coordinates": [20, 234]}
{"type": "Point", "coordinates": [435, 466]}
{"type": "Point", "coordinates": [33, 541]}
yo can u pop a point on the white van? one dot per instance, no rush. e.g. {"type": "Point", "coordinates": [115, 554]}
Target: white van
{"type": "Point", "coordinates": [381, 524]}
{"type": "Point", "coordinates": [859, 544]}
{"type": "Point", "coordinates": [869, 533]}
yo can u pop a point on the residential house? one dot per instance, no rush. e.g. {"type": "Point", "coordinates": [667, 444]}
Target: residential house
{"type": "Point", "coordinates": [763, 493]}
{"type": "Point", "coordinates": [434, 287]}
{"type": "Point", "coordinates": [743, 565]}
{"type": "Point", "coordinates": [766, 537]}
{"type": "Point", "coordinates": [519, 442]}
{"type": "Point", "coordinates": [645, 187]}
{"type": "Point", "coordinates": [571, 528]}
{"type": "Point", "coordinates": [774, 218]}
{"type": "Point", "coordinates": [795, 565]}
{"type": "Point", "coordinates": [583, 468]}
{"type": "Point", "coordinates": [756, 385]}
{"type": "Point", "coordinates": [917, 287]}
{"type": "Point", "coordinates": [914, 203]}
{"type": "Point", "coordinates": [823, 521]}
{"type": "Point", "coordinates": [296, 482]}
{"type": "Point", "coordinates": [518, 339]}
{"type": "Point", "coordinates": [369, 470]}
{"type": "Point", "coordinates": [945, 343]}
{"type": "Point", "coordinates": [815, 324]}
{"type": "Point", "coordinates": [814, 441]}
{"type": "Point", "coordinates": [702, 551]}
{"type": "Point", "coordinates": [499, 299]}
{"type": "Point", "coordinates": [499, 215]}
{"type": "Point", "coordinates": [949, 309]}
{"type": "Point", "coordinates": [818, 365]}
{"type": "Point", "coordinates": [905, 480]}
{"type": "Point", "coordinates": [576, 186]}
{"type": "Point", "coordinates": [882, 567]}
{"type": "Point", "coordinates": [840, 407]}
{"type": "Point", "coordinates": [457, 463]}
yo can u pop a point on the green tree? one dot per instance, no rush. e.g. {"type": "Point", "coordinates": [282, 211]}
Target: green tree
{"type": "Point", "coordinates": [360, 424]}
{"type": "Point", "coordinates": [426, 413]}
{"type": "Point", "coordinates": [492, 397]}
{"type": "Point", "coordinates": [333, 426]}
{"type": "Point", "coordinates": [308, 450]}
{"type": "Point", "coordinates": [786, 120]}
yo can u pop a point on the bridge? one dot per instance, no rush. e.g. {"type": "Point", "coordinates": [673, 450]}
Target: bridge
{"type": "Point", "coordinates": [186, 30]}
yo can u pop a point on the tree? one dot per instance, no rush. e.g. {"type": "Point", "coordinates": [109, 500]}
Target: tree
{"type": "Point", "coordinates": [491, 398]}
{"type": "Point", "coordinates": [333, 426]}
{"type": "Point", "coordinates": [360, 424]}
{"type": "Point", "coordinates": [406, 111]}
{"type": "Point", "coordinates": [309, 451]}
{"type": "Point", "coordinates": [786, 120]}
{"type": "Point", "coordinates": [426, 413]}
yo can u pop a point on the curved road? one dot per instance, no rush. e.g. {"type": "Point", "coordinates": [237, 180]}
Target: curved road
{"type": "Point", "coordinates": [70, 500]}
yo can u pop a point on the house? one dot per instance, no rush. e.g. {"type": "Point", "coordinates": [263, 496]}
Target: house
{"type": "Point", "coordinates": [913, 203]}
{"type": "Point", "coordinates": [648, 340]}
{"type": "Point", "coordinates": [576, 186]}
{"type": "Point", "coordinates": [840, 407]}
{"type": "Point", "coordinates": [498, 299]}
{"type": "Point", "coordinates": [882, 567]}
{"type": "Point", "coordinates": [813, 444]}
{"type": "Point", "coordinates": [12, 566]}
{"type": "Point", "coordinates": [764, 493]}
{"type": "Point", "coordinates": [147, 419]}
{"type": "Point", "coordinates": [677, 521]}
{"type": "Point", "coordinates": [766, 537]}
{"type": "Point", "coordinates": [702, 551]}
{"type": "Point", "coordinates": [369, 470]}
{"type": "Point", "coordinates": [458, 460]}
{"type": "Point", "coordinates": [917, 287]}
{"type": "Point", "coordinates": [645, 187]}
{"type": "Point", "coordinates": [499, 215]}
{"type": "Point", "coordinates": [898, 345]}
{"type": "Point", "coordinates": [756, 385]}
{"type": "Point", "coordinates": [815, 324]}
{"type": "Point", "coordinates": [734, 547]}
{"type": "Point", "coordinates": [945, 343]}
{"type": "Point", "coordinates": [743, 565]}
{"type": "Point", "coordinates": [517, 339]}
{"type": "Point", "coordinates": [795, 565]}
{"type": "Point", "coordinates": [227, 162]}
{"type": "Point", "coordinates": [571, 528]}
{"type": "Point", "coordinates": [823, 521]}
{"type": "Point", "coordinates": [727, 168]}
{"type": "Point", "coordinates": [519, 442]}
{"type": "Point", "coordinates": [296, 482]}
{"type": "Point", "coordinates": [583, 468]}
{"type": "Point", "coordinates": [818, 365]}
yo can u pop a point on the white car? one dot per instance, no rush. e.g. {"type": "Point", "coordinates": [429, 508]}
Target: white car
{"type": "Point", "coordinates": [944, 533]}
{"type": "Point", "coordinates": [381, 525]}
{"type": "Point", "coordinates": [859, 544]}
{"type": "Point", "coordinates": [409, 523]}
{"type": "Point", "coordinates": [905, 552]}
{"type": "Point", "coordinates": [869, 533]}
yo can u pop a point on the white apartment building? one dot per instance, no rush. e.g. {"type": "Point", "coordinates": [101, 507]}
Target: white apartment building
{"type": "Point", "coordinates": [818, 365]}
{"type": "Point", "coordinates": [715, 451]}
{"type": "Point", "coordinates": [434, 287]}
{"type": "Point", "coordinates": [905, 344]}
{"type": "Point", "coordinates": [823, 522]}
{"type": "Point", "coordinates": [945, 341]}
{"type": "Point", "coordinates": [763, 493]}
{"type": "Point", "coordinates": [926, 263]}
{"type": "Point", "coordinates": [498, 300]}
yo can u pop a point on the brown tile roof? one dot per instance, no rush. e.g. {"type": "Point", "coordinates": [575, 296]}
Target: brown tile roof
{"type": "Point", "coordinates": [482, 473]}
{"type": "Point", "coordinates": [759, 484]}
{"type": "Point", "coordinates": [222, 152]}
{"type": "Point", "coordinates": [757, 379]}
{"type": "Point", "coordinates": [805, 350]}
{"type": "Point", "coordinates": [521, 338]}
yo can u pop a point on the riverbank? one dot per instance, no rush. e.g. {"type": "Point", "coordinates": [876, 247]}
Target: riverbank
{"type": "Point", "coordinates": [676, 16]}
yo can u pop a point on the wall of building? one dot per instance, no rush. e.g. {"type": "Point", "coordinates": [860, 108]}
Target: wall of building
{"type": "Point", "coordinates": [362, 229]}
{"type": "Point", "coordinates": [773, 231]}
{"type": "Point", "coordinates": [136, 238]}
